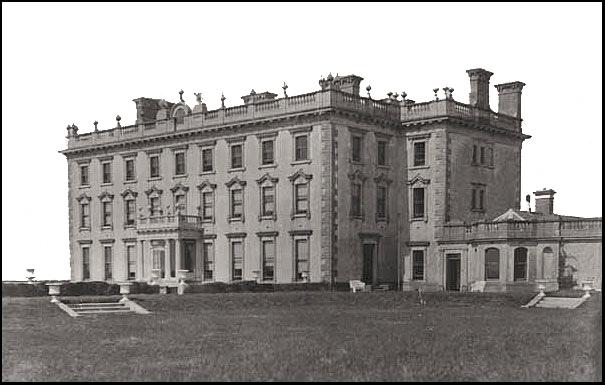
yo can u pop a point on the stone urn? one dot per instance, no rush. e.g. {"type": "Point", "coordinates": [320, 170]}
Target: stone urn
{"type": "Point", "coordinates": [155, 276]}
{"type": "Point", "coordinates": [54, 289]}
{"type": "Point", "coordinates": [305, 276]}
{"type": "Point", "coordinates": [181, 276]}
{"type": "Point", "coordinates": [587, 287]}
{"type": "Point", "coordinates": [125, 290]}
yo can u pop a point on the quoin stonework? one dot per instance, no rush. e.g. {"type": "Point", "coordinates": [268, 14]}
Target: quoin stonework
{"type": "Point", "coordinates": [328, 186]}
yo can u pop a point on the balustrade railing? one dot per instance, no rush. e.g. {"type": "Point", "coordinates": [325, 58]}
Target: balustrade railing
{"type": "Point", "coordinates": [173, 220]}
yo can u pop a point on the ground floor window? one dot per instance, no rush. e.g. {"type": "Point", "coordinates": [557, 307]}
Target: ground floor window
{"type": "Point", "coordinates": [492, 263]}
{"type": "Point", "coordinates": [108, 263]}
{"type": "Point", "coordinates": [188, 261]}
{"type": "Point", "coordinates": [159, 262]}
{"type": "Point", "coordinates": [132, 262]}
{"type": "Point", "coordinates": [418, 265]}
{"type": "Point", "coordinates": [268, 260]}
{"type": "Point", "coordinates": [208, 261]}
{"type": "Point", "coordinates": [85, 263]}
{"type": "Point", "coordinates": [301, 255]}
{"type": "Point", "coordinates": [520, 268]}
{"type": "Point", "coordinates": [237, 260]}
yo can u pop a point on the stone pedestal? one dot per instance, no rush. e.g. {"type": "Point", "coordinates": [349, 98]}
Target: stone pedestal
{"type": "Point", "coordinates": [125, 290]}
{"type": "Point", "coordinates": [54, 289]}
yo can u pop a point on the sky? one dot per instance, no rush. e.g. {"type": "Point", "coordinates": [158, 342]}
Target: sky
{"type": "Point", "coordinates": [65, 63]}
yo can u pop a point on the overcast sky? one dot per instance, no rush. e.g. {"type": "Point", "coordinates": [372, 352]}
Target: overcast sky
{"type": "Point", "coordinates": [77, 63]}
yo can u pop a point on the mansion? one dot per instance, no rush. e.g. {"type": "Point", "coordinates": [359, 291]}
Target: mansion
{"type": "Point", "coordinates": [327, 186]}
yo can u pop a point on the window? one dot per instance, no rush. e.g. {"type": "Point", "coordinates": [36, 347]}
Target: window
{"type": "Point", "coordinates": [154, 166]}
{"type": "Point", "coordinates": [268, 201]}
{"type": "Point", "coordinates": [520, 268]}
{"type": "Point", "coordinates": [130, 173]}
{"type": "Point", "coordinates": [159, 261]}
{"type": "Point", "coordinates": [418, 265]}
{"type": "Point", "coordinates": [482, 155]}
{"type": "Point", "coordinates": [85, 263]}
{"type": "Point", "coordinates": [492, 263]}
{"type": "Point", "coordinates": [419, 153]}
{"type": "Point", "coordinates": [301, 250]}
{"type": "Point", "coordinates": [208, 205]}
{"type": "Point", "coordinates": [356, 199]}
{"type": "Point", "coordinates": [179, 116]}
{"type": "Point", "coordinates": [237, 203]}
{"type": "Point", "coordinates": [108, 263]}
{"type": "Point", "coordinates": [267, 152]}
{"type": "Point", "coordinates": [474, 154]}
{"type": "Point", "coordinates": [491, 156]}
{"type": "Point", "coordinates": [84, 215]}
{"type": "Point", "coordinates": [131, 257]}
{"type": "Point", "coordinates": [477, 198]}
{"type": "Point", "coordinates": [84, 181]}
{"type": "Point", "coordinates": [207, 160]}
{"type": "Point", "coordinates": [268, 251]}
{"type": "Point", "coordinates": [154, 202]}
{"type": "Point", "coordinates": [188, 261]}
{"type": "Point", "coordinates": [356, 148]}
{"type": "Point", "coordinates": [481, 192]}
{"type": "Point", "coordinates": [300, 148]}
{"type": "Point", "coordinates": [208, 261]}
{"type": "Point", "coordinates": [381, 201]}
{"type": "Point", "coordinates": [180, 204]}
{"type": "Point", "coordinates": [474, 199]}
{"type": "Point", "coordinates": [179, 163]}
{"type": "Point", "coordinates": [301, 198]}
{"type": "Point", "coordinates": [418, 207]}
{"type": "Point", "coordinates": [382, 153]}
{"type": "Point", "coordinates": [106, 213]}
{"type": "Point", "coordinates": [236, 156]}
{"type": "Point", "coordinates": [130, 212]}
{"type": "Point", "coordinates": [106, 171]}
{"type": "Point", "coordinates": [237, 261]}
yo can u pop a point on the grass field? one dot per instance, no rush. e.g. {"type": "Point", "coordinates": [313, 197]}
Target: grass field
{"type": "Point", "coordinates": [305, 336]}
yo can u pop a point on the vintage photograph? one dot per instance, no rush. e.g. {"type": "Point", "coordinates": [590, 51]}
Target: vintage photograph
{"type": "Point", "coordinates": [301, 192]}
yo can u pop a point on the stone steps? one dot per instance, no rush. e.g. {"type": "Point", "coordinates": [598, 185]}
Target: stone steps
{"type": "Point", "coordinates": [560, 303]}
{"type": "Point", "coordinates": [125, 306]}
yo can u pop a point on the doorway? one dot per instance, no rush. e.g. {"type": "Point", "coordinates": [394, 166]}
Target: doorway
{"type": "Point", "coordinates": [368, 263]}
{"type": "Point", "coordinates": [452, 272]}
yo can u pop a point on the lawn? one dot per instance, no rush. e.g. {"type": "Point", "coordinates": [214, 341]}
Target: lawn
{"type": "Point", "coordinates": [305, 336]}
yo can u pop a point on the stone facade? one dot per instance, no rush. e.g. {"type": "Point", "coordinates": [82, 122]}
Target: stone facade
{"type": "Point", "coordinates": [321, 187]}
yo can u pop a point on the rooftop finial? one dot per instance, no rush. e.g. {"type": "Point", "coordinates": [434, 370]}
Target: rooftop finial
{"type": "Point", "coordinates": [198, 97]}
{"type": "Point", "coordinates": [118, 118]}
{"type": "Point", "coordinates": [181, 92]}
{"type": "Point", "coordinates": [403, 95]}
{"type": "Point", "coordinates": [96, 123]}
{"type": "Point", "coordinates": [435, 90]}
{"type": "Point", "coordinates": [223, 100]}
{"type": "Point", "coordinates": [285, 87]}
{"type": "Point", "coordinates": [369, 88]}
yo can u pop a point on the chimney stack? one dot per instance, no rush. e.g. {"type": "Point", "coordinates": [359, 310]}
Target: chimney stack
{"type": "Point", "coordinates": [349, 83]}
{"type": "Point", "coordinates": [479, 95]}
{"type": "Point", "coordinates": [544, 201]}
{"type": "Point", "coordinates": [509, 98]}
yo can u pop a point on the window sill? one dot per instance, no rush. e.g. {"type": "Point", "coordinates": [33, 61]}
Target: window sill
{"type": "Point", "coordinates": [480, 211]}
{"type": "Point", "coordinates": [267, 217]}
{"type": "Point", "coordinates": [301, 215]}
{"type": "Point", "coordinates": [180, 176]}
{"type": "Point", "coordinates": [84, 186]}
{"type": "Point", "coordinates": [130, 226]}
{"type": "Point", "coordinates": [358, 163]}
{"type": "Point", "coordinates": [237, 169]}
{"type": "Point", "coordinates": [304, 161]}
{"type": "Point", "coordinates": [383, 166]}
{"type": "Point", "coordinates": [155, 178]}
{"type": "Point", "coordinates": [418, 167]}
{"type": "Point", "coordinates": [357, 217]}
{"type": "Point", "coordinates": [130, 181]}
{"type": "Point", "coordinates": [423, 219]}
{"type": "Point", "coordinates": [208, 172]}
{"type": "Point", "coordinates": [106, 184]}
{"type": "Point", "coordinates": [272, 165]}
{"type": "Point", "coordinates": [84, 229]}
{"type": "Point", "coordinates": [106, 227]}
{"type": "Point", "coordinates": [210, 220]}
{"type": "Point", "coordinates": [236, 219]}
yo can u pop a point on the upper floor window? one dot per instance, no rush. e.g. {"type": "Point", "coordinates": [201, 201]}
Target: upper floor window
{"type": "Point", "coordinates": [418, 202]}
{"type": "Point", "coordinates": [381, 201]}
{"type": "Point", "coordinates": [237, 160]}
{"type": "Point", "coordinates": [381, 153]}
{"type": "Point", "coordinates": [130, 171]}
{"type": "Point", "coordinates": [474, 154]}
{"type": "Point", "coordinates": [154, 203]}
{"type": "Point", "coordinates": [482, 156]}
{"type": "Point", "coordinates": [106, 171]}
{"type": "Point", "coordinates": [207, 190]}
{"type": "Point", "coordinates": [237, 203]}
{"type": "Point", "coordinates": [106, 213]}
{"type": "Point", "coordinates": [130, 212]}
{"type": "Point", "coordinates": [84, 214]}
{"type": "Point", "coordinates": [356, 199]}
{"type": "Point", "coordinates": [478, 197]}
{"type": "Point", "coordinates": [179, 116]}
{"type": "Point", "coordinates": [179, 163]}
{"type": "Point", "coordinates": [300, 147]}
{"type": "Point", "coordinates": [301, 198]}
{"type": "Point", "coordinates": [268, 201]}
{"type": "Point", "coordinates": [180, 203]}
{"type": "Point", "coordinates": [154, 166]}
{"type": "Point", "coordinates": [267, 152]}
{"type": "Point", "coordinates": [356, 148]}
{"type": "Point", "coordinates": [419, 153]}
{"type": "Point", "coordinates": [84, 180]}
{"type": "Point", "coordinates": [207, 160]}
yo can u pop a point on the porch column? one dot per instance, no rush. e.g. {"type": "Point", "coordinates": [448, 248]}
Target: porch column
{"type": "Point", "coordinates": [177, 255]}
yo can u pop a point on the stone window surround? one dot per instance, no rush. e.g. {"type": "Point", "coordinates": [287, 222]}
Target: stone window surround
{"type": "Point", "coordinates": [357, 177]}
{"type": "Point", "coordinates": [130, 242]}
{"type": "Point", "coordinates": [127, 195]}
{"type": "Point", "coordinates": [236, 183]}
{"type": "Point", "coordinates": [265, 137]}
{"type": "Point", "coordinates": [267, 181]}
{"type": "Point", "coordinates": [233, 141]}
{"type": "Point", "coordinates": [106, 197]}
{"type": "Point", "coordinates": [489, 153]}
{"type": "Point", "coordinates": [80, 163]}
{"type": "Point", "coordinates": [126, 157]}
{"type": "Point", "coordinates": [385, 138]}
{"type": "Point", "coordinates": [296, 235]}
{"type": "Point", "coordinates": [415, 182]}
{"type": "Point", "coordinates": [475, 186]}
{"type": "Point", "coordinates": [236, 237]}
{"type": "Point", "coordinates": [203, 187]}
{"type": "Point", "coordinates": [180, 149]}
{"type": "Point", "coordinates": [88, 200]}
{"type": "Point", "coordinates": [150, 154]}
{"type": "Point", "coordinates": [412, 140]}
{"type": "Point", "coordinates": [485, 264]}
{"type": "Point", "coordinates": [383, 181]}
{"type": "Point", "coordinates": [424, 253]}
{"type": "Point", "coordinates": [300, 177]}
{"type": "Point", "coordinates": [296, 132]}
{"type": "Point", "coordinates": [358, 133]}
{"type": "Point", "coordinates": [179, 189]}
{"type": "Point", "coordinates": [209, 144]}
{"type": "Point", "coordinates": [154, 192]}
{"type": "Point", "coordinates": [267, 236]}
{"type": "Point", "coordinates": [106, 160]}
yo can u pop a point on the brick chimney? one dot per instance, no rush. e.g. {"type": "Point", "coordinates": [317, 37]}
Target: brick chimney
{"type": "Point", "coordinates": [349, 83]}
{"type": "Point", "coordinates": [147, 109]}
{"type": "Point", "coordinates": [544, 201]}
{"type": "Point", "coordinates": [479, 95]}
{"type": "Point", "coordinates": [509, 98]}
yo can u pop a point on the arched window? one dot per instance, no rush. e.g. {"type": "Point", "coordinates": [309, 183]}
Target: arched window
{"type": "Point", "coordinates": [492, 263]}
{"type": "Point", "coordinates": [520, 269]}
{"type": "Point", "coordinates": [179, 116]}
{"type": "Point", "coordinates": [549, 268]}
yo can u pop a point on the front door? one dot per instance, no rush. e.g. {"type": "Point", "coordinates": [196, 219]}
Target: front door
{"type": "Point", "coordinates": [368, 263]}
{"type": "Point", "coordinates": [452, 272]}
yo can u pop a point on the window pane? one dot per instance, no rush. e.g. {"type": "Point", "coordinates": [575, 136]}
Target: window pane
{"type": "Point", "coordinates": [207, 159]}
{"type": "Point", "coordinates": [382, 150]}
{"type": "Point", "coordinates": [132, 262]}
{"type": "Point", "coordinates": [474, 199]}
{"type": "Point", "coordinates": [106, 213]}
{"type": "Point", "coordinates": [179, 203]}
{"type": "Point", "coordinates": [300, 147]}
{"type": "Point", "coordinates": [482, 155]}
{"type": "Point", "coordinates": [301, 198]}
{"type": "Point", "coordinates": [268, 261]}
{"type": "Point", "coordinates": [474, 154]}
{"type": "Point", "coordinates": [106, 173]}
{"type": "Point", "coordinates": [236, 156]}
{"type": "Point", "coordinates": [155, 206]}
{"type": "Point", "coordinates": [520, 268]}
{"type": "Point", "coordinates": [418, 265]}
{"type": "Point", "coordinates": [419, 154]}
{"type": "Point", "coordinates": [130, 212]}
{"type": "Point", "coordinates": [481, 192]}
{"type": "Point", "coordinates": [492, 263]}
{"type": "Point", "coordinates": [207, 203]}
{"type": "Point", "coordinates": [418, 203]}
{"type": "Point", "coordinates": [267, 152]}
{"type": "Point", "coordinates": [236, 203]}
{"type": "Point", "coordinates": [85, 215]}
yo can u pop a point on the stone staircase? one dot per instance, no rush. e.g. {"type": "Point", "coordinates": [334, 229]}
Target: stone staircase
{"type": "Point", "coordinates": [95, 308]}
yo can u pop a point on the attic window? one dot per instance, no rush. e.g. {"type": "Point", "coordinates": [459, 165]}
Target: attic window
{"type": "Point", "coordinates": [179, 116]}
